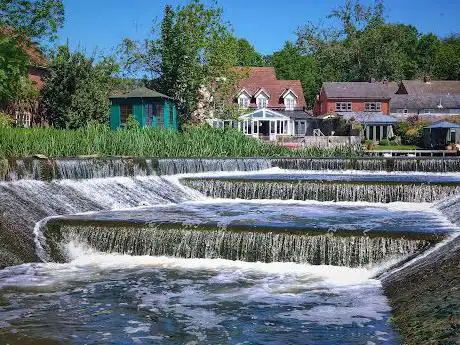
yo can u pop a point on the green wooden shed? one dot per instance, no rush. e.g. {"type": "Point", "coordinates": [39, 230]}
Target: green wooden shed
{"type": "Point", "coordinates": [149, 107]}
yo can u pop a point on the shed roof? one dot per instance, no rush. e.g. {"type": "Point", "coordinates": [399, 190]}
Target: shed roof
{"type": "Point", "coordinates": [443, 124]}
{"type": "Point", "coordinates": [360, 90]}
{"type": "Point", "coordinates": [142, 92]}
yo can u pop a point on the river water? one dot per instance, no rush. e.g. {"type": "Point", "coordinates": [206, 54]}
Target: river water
{"type": "Point", "coordinates": [150, 260]}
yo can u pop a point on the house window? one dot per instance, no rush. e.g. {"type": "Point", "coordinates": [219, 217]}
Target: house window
{"type": "Point", "coordinates": [372, 106]}
{"type": "Point", "coordinates": [405, 111]}
{"type": "Point", "coordinates": [262, 102]}
{"type": "Point", "coordinates": [160, 118]}
{"type": "Point", "coordinates": [343, 106]}
{"type": "Point", "coordinates": [150, 113]}
{"type": "Point", "coordinates": [125, 111]}
{"type": "Point", "coordinates": [289, 102]}
{"type": "Point", "coordinates": [300, 128]}
{"type": "Point", "coordinates": [23, 119]}
{"type": "Point", "coordinates": [426, 111]}
{"type": "Point", "coordinates": [243, 101]}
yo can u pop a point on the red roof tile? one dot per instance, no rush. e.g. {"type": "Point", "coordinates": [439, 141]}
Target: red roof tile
{"type": "Point", "coordinates": [265, 78]}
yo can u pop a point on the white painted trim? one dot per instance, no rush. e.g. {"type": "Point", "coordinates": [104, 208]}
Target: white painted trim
{"type": "Point", "coordinates": [286, 92]}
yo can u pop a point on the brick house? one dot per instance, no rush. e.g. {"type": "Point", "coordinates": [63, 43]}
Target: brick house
{"type": "Point", "coordinates": [364, 102]}
{"type": "Point", "coordinates": [354, 97]}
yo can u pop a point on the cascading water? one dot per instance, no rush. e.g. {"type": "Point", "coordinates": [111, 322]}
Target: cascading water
{"type": "Point", "coordinates": [187, 271]}
{"type": "Point", "coordinates": [328, 249]}
{"type": "Point", "coordinates": [380, 193]}
{"type": "Point", "coordinates": [89, 167]}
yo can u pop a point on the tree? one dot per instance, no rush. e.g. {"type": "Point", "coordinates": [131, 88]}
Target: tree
{"type": "Point", "coordinates": [427, 48]}
{"type": "Point", "coordinates": [77, 89]}
{"type": "Point", "coordinates": [194, 49]}
{"type": "Point", "coordinates": [447, 60]}
{"type": "Point", "coordinates": [247, 55]}
{"type": "Point", "coordinates": [34, 19]}
{"type": "Point", "coordinates": [13, 67]}
{"type": "Point", "coordinates": [290, 64]}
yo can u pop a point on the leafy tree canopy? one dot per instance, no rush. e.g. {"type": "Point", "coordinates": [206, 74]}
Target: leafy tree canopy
{"type": "Point", "coordinates": [194, 48]}
{"type": "Point", "coordinates": [247, 55]}
{"type": "Point", "coordinates": [77, 88]}
{"type": "Point", "coordinates": [36, 19]}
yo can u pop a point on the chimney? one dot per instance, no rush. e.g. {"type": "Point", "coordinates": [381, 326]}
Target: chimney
{"type": "Point", "coordinates": [385, 81]}
{"type": "Point", "coordinates": [372, 80]}
{"type": "Point", "coordinates": [427, 79]}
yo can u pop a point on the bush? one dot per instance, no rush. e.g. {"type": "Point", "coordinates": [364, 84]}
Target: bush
{"type": "Point", "coordinates": [384, 142]}
{"type": "Point", "coordinates": [5, 120]}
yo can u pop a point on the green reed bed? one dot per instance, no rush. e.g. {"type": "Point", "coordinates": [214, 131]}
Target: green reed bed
{"type": "Point", "coordinates": [197, 141]}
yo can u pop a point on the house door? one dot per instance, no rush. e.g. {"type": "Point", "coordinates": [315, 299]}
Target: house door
{"type": "Point", "coordinates": [264, 128]}
{"type": "Point", "coordinates": [452, 137]}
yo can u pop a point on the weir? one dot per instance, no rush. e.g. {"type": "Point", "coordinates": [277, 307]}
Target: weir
{"type": "Point", "coordinates": [104, 167]}
{"type": "Point", "coordinates": [307, 190]}
{"type": "Point", "coordinates": [310, 247]}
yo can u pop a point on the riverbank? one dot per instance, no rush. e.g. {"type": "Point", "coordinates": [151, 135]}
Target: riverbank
{"type": "Point", "coordinates": [425, 298]}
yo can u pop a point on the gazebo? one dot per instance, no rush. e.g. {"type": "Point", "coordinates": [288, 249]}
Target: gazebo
{"type": "Point", "coordinates": [149, 107]}
{"type": "Point", "coordinates": [440, 134]}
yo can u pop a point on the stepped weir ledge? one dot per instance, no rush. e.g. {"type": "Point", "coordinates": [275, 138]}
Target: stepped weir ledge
{"type": "Point", "coordinates": [333, 246]}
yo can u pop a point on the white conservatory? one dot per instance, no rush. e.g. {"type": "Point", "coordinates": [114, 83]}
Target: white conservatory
{"type": "Point", "coordinates": [268, 124]}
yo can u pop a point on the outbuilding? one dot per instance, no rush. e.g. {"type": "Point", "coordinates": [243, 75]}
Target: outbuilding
{"type": "Point", "coordinates": [440, 134]}
{"type": "Point", "coordinates": [149, 107]}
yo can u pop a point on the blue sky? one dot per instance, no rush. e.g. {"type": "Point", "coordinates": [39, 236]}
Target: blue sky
{"type": "Point", "coordinates": [101, 24]}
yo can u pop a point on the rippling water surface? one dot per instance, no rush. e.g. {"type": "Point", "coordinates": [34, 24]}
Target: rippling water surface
{"type": "Point", "coordinates": [99, 298]}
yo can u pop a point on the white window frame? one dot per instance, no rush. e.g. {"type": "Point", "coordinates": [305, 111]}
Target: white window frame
{"type": "Point", "coordinates": [289, 103]}
{"type": "Point", "coordinates": [426, 111]}
{"type": "Point", "coordinates": [262, 102]}
{"type": "Point", "coordinates": [243, 101]}
{"type": "Point", "coordinates": [343, 106]}
{"type": "Point", "coordinates": [373, 106]}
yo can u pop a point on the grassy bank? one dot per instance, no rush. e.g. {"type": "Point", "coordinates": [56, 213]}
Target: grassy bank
{"type": "Point", "coordinates": [198, 141]}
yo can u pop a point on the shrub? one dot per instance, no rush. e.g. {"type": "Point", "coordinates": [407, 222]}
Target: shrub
{"type": "Point", "coordinates": [5, 120]}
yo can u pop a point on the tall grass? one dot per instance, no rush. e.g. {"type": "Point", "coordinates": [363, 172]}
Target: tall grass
{"type": "Point", "coordinates": [197, 141]}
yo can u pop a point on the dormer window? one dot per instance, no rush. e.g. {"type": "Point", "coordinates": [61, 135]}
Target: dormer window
{"type": "Point", "coordinates": [289, 103]}
{"type": "Point", "coordinates": [290, 99]}
{"type": "Point", "coordinates": [243, 101]}
{"type": "Point", "coordinates": [262, 98]}
{"type": "Point", "coordinates": [262, 102]}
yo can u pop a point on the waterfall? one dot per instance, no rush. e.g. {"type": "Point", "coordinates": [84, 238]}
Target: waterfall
{"type": "Point", "coordinates": [196, 165]}
{"type": "Point", "coordinates": [25, 202]}
{"type": "Point", "coordinates": [104, 167]}
{"type": "Point", "coordinates": [75, 168]}
{"type": "Point", "coordinates": [322, 249]}
{"type": "Point", "coordinates": [380, 193]}
{"type": "Point", "coordinates": [371, 164]}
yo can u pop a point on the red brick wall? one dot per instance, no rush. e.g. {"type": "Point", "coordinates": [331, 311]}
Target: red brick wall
{"type": "Point", "coordinates": [37, 75]}
{"type": "Point", "coordinates": [325, 105]}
